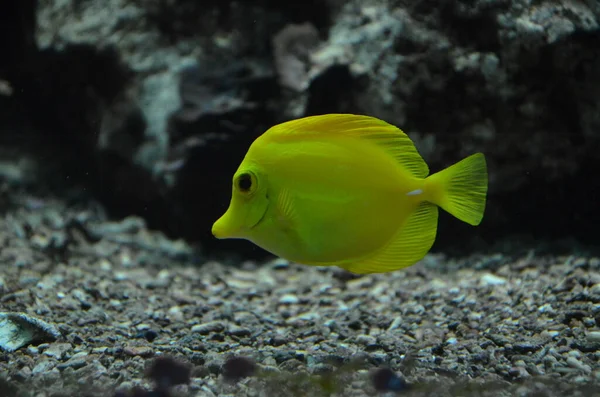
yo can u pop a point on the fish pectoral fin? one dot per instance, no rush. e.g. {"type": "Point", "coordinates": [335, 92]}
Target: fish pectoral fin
{"type": "Point", "coordinates": [410, 244]}
{"type": "Point", "coordinates": [286, 211]}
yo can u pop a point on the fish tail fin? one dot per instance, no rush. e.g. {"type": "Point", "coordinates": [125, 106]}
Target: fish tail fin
{"type": "Point", "coordinates": [461, 189]}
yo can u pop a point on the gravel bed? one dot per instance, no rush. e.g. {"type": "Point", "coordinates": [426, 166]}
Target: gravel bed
{"type": "Point", "coordinates": [119, 297]}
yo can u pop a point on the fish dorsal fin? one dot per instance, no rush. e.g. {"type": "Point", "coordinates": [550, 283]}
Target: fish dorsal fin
{"type": "Point", "coordinates": [410, 244]}
{"type": "Point", "coordinates": [389, 137]}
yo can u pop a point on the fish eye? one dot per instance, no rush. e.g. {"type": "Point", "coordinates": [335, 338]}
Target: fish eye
{"type": "Point", "coordinates": [244, 182]}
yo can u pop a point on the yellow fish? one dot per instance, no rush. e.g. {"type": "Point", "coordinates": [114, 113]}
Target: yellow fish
{"type": "Point", "coordinates": [349, 191]}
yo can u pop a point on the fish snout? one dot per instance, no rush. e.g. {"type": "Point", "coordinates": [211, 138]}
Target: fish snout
{"type": "Point", "coordinates": [218, 229]}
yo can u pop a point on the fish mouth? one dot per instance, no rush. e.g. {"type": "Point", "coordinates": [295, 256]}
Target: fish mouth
{"type": "Point", "coordinates": [221, 231]}
{"type": "Point", "coordinates": [217, 230]}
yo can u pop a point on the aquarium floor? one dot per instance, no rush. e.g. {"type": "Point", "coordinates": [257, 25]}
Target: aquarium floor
{"type": "Point", "coordinates": [121, 296]}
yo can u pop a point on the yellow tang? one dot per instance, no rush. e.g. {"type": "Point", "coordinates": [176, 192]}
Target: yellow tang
{"type": "Point", "coordinates": [347, 190]}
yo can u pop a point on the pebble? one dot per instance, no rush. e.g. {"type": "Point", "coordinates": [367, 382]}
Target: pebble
{"type": "Point", "coordinates": [366, 340]}
{"type": "Point", "coordinates": [279, 263]}
{"type": "Point", "coordinates": [73, 362]}
{"type": "Point", "coordinates": [58, 350]}
{"type": "Point", "coordinates": [142, 327]}
{"type": "Point", "coordinates": [395, 324]}
{"type": "Point", "coordinates": [142, 351]}
{"type": "Point", "coordinates": [175, 313]}
{"type": "Point", "coordinates": [24, 373]}
{"type": "Point", "coordinates": [239, 331]}
{"type": "Point", "coordinates": [518, 372]}
{"type": "Point", "coordinates": [575, 363]}
{"type": "Point", "coordinates": [593, 336]}
{"type": "Point", "coordinates": [28, 280]}
{"type": "Point", "coordinates": [241, 284]}
{"type": "Point", "coordinates": [546, 308]}
{"type": "Point", "coordinates": [92, 369]}
{"type": "Point", "coordinates": [307, 316]}
{"type": "Point", "coordinates": [120, 276]}
{"type": "Point", "coordinates": [43, 366]}
{"type": "Point", "coordinates": [211, 326]}
{"type": "Point", "coordinates": [33, 350]}
{"type": "Point", "coordinates": [289, 299]}
{"type": "Point", "coordinates": [491, 279]}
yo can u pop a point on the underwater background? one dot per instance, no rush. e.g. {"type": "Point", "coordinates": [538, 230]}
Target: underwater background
{"type": "Point", "coordinates": [122, 123]}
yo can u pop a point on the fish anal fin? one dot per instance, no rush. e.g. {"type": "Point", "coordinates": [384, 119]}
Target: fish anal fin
{"type": "Point", "coordinates": [387, 136]}
{"type": "Point", "coordinates": [410, 244]}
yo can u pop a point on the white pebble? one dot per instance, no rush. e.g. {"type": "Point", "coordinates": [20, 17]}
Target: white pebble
{"type": "Point", "coordinates": [490, 279]}
{"type": "Point", "coordinates": [288, 299]}
{"type": "Point", "coordinates": [593, 336]}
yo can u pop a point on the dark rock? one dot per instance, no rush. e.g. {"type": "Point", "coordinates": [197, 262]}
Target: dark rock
{"type": "Point", "coordinates": [151, 107]}
{"type": "Point", "coordinates": [236, 368]}
{"type": "Point", "coordinates": [167, 372]}
{"type": "Point", "coordinates": [385, 380]}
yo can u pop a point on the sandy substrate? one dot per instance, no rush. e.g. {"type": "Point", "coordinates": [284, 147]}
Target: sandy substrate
{"type": "Point", "coordinates": [120, 296]}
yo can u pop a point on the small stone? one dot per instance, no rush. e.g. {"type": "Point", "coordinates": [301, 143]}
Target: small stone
{"type": "Point", "coordinates": [73, 362]}
{"type": "Point", "coordinates": [33, 350]}
{"type": "Point", "coordinates": [586, 346]}
{"type": "Point", "coordinates": [92, 369]}
{"type": "Point", "coordinates": [277, 341]}
{"type": "Point", "coordinates": [28, 280]}
{"type": "Point", "coordinates": [575, 363]}
{"type": "Point", "coordinates": [142, 327]}
{"type": "Point", "coordinates": [42, 367]}
{"type": "Point", "coordinates": [120, 276]}
{"type": "Point", "coordinates": [279, 263]}
{"type": "Point", "coordinates": [207, 328]}
{"type": "Point", "coordinates": [289, 299]}
{"type": "Point", "coordinates": [526, 347]}
{"type": "Point", "coordinates": [550, 333]}
{"type": "Point", "coordinates": [150, 335]}
{"type": "Point", "coordinates": [24, 373]}
{"type": "Point", "coordinates": [499, 340]}
{"type": "Point", "coordinates": [239, 331]}
{"type": "Point", "coordinates": [395, 324]}
{"type": "Point", "coordinates": [491, 279]}
{"type": "Point", "coordinates": [593, 336]}
{"type": "Point", "coordinates": [58, 350]}
{"type": "Point", "coordinates": [366, 340]}
{"type": "Point", "coordinates": [142, 351]}
{"type": "Point", "coordinates": [518, 372]}
{"type": "Point", "coordinates": [115, 303]}
{"type": "Point", "coordinates": [574, 353]}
